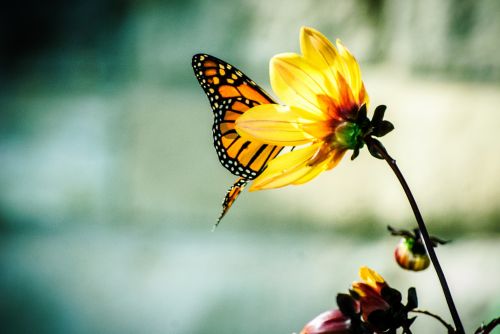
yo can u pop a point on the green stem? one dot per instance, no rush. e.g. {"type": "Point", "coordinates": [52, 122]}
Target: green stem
{"type": "Point", "coordinates": [377, 146]}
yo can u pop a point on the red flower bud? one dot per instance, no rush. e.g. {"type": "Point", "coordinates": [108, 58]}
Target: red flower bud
{"type": "Point", "coordinates": [411, 255]}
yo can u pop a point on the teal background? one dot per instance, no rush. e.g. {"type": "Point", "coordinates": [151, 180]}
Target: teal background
{"type": "Point", "coordinates": [110, 185]}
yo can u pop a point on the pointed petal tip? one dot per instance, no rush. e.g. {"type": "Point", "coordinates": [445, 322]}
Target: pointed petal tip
{"type": "Point", "coordinates": [309, 31]}
{"type": "Point", "coordinates": [284, 56]}
{"type": "Point", "coordinates": [340, 45]}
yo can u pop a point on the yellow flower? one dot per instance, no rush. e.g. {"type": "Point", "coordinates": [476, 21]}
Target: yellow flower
{"type": "Point", "coordinates": [323, 95]}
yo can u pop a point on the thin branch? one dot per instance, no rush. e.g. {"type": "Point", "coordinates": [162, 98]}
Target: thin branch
{"type": "Point", "coordinates": [378, 147]}
{"type": "Point", "coordinates": [449, 327]}
{"type": "Point", "coordinates": [489, 327]}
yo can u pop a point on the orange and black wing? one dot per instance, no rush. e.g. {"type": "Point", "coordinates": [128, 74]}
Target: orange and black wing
{"type": "Point", "coordinates": [231, 196]}
{"type": "Point", "coordinates": [231, 93]}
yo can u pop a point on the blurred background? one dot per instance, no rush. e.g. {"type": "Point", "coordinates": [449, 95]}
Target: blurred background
{"type": "Point", "coordinates": [110, 185]}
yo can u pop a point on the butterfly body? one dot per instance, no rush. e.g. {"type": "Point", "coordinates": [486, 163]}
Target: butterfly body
{"type": "Point", "coordinates": [231, 93]}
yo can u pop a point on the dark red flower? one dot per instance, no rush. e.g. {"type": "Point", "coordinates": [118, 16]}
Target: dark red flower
{"type": "Point", "coordinates": [369, 292]}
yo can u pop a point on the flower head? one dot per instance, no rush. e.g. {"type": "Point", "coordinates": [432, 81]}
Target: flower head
{"type": "Point", "coordinates": [371, 307]}
{"type": "Point", "coordinates": [369, 292]}
{"type": "Point", "coordinates": [380, 305]}
{"type": "Point", "coordinates": [324, 112]}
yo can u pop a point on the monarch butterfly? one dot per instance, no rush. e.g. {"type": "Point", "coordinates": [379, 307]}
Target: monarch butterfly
{"type": "Point", "coordinates": [231, 93]}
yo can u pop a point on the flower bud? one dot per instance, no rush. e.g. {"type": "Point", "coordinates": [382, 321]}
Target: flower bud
{"type": "Point", "coordinates": [410, 254]}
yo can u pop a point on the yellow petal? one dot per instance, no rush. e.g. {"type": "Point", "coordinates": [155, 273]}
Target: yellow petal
{"type": "Point", "coordinates": [347, 101]}
{"type": "Point", "coordinates": [338, 155]}
{"type": "Point", "coordinates": [370, 277]}
{"type": "Point", "coordinates": [334, 62]}
{"type": "Point", "coordinates": [314, 171]}
{"type": "Point", "coordinates": [297, 82]}
{"type": "Point", "coordinates": [318, 50]}
{"type": "Point", "coordinates": [357, 289]}
{"type": "Point", "coordinates": [363, 97]}
{"type": "Point", "coordinates": [277, 125]}
{"type": "Point", "coordinates": [324, 159]}
{"type": "Point", "coordinates": [286, 169]}
{"type": "Point", "coordinates": [318, 130]}
{"type": "Point", "coordinates": [351, 72]}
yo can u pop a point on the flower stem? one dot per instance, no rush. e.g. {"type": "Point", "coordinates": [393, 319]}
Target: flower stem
{"type": "Point", "coordinates": [378, 147]}
{"type": "Point", "coordinates": [449, 327]}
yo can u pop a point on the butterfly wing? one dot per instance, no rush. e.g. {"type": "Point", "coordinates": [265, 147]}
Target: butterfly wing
{"type": "Point", "coordinates": [231, 93]}
{"type": "Point", "coordinates": [231, 196]}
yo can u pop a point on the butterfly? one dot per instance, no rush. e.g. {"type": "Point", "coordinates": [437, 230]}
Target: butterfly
{"type": "Point", "coordinates": [231, 93]}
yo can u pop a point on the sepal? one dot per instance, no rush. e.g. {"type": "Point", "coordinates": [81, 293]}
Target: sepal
{"type": "Point", "coordinates": [412, 300]}
{"type": "Point", "coordinates": [347, 305]}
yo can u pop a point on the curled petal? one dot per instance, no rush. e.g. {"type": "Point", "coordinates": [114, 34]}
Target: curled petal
{"type": "Point", "coordinates": [371, 304]}
{"type": "Point", "coordinates": [280, 125]}
{"type": "Point", "coordinates": [297, 82]}
{"type": "Point", "coordinates": [329, 322]}
{"type": "Point", "coordinates": [287, 168]}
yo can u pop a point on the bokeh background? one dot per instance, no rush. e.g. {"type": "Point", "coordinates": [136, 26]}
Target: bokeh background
{"type": "Point", "coordinates": [109, 184]}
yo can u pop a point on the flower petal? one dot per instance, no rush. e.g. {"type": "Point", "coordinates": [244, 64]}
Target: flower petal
{"type": "Point", "coordinates": [279, 125]}
{"type": "Point", "coordinates": [314, 171]}
{"type": "Point", "coordinates": [364, 290]}
{"type": "Point", "coordinates": [337, 64]}
{"type": "Point", "coordinates": [370, 304]}
{"type": "Point", "coordinates": [287, 168]}
{"type": "Point", "coordinates": [329, 322]}
{"type": "Point", "coordinates": [347, 102]}
{"type": "Point", "coordinates": [337, 156]}
{"type": "Point", "coordinates": [297, 82]}
{"type": "Point", "coordinates": [318, 50]}
{"type": "Point", "coordinates": [352, 73]}
{"type": "Point", "coordinates": [371, 277]}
